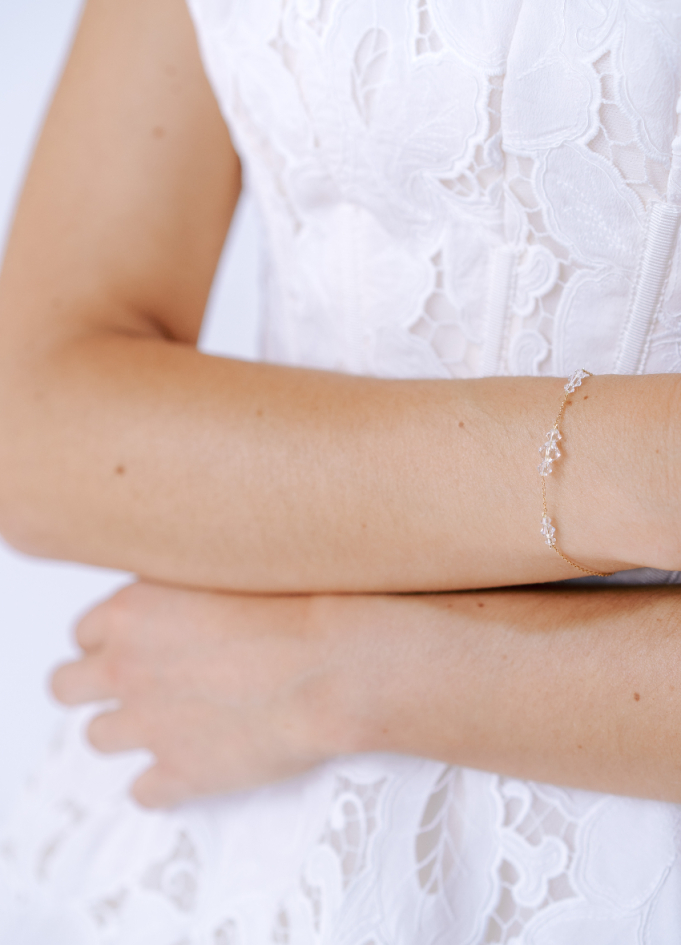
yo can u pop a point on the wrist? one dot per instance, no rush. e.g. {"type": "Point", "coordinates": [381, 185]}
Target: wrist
{"type": "Point", "coordinates": [650, 473]}
{"type": "Point", "coordinates": [615, 494]}
{"type": "Point", "coordinates": [357, 703]}
{"type": "Point", "coordinates": [392, 659]}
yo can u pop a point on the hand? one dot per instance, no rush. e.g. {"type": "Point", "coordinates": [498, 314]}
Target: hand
{"type": "Point", "coordinates": [574, 686]}
{"type": "Point", "coordinates": [227, 692]}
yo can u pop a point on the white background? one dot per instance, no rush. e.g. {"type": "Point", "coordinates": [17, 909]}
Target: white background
{"type": "Point", "coordinates": [39, 601]}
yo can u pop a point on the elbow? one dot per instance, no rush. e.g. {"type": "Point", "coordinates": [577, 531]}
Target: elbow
{"type": "Point", "coordinates": [21, 531]}
{"type": "Point", "coordinates": [31, 524]}
{"type": "Point", "coordinates": [26, 488]}
{"type": "Point", "coordinates": [23, 524]}
{"type": "Point", "coordinates": [18, 527]}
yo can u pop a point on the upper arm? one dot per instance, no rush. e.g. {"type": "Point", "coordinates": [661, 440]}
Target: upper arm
{"type": "Point", "coordinates": [132, 186]}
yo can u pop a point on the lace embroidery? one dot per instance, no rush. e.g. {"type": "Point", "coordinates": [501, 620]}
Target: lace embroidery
{"type": "Point", "coordinates": [618, 142]}
{"type": "Point", "coordinates": [538, 842]}
{"type": "Point", "coordinates": [427, 40]}
{"type": "Point", "coordinates": [435, 848]}
{"type": "Point", "coordinates": [175, 877]}
{"type": "Point", "coordinates": [369, 69]}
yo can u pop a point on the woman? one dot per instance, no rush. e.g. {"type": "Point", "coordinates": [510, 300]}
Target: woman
{"type": "Point", "coordinates": [447, 194]}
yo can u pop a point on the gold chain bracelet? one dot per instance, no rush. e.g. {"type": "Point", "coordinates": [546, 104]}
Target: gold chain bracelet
{"type": "Point", "coordinates": [550, 452]}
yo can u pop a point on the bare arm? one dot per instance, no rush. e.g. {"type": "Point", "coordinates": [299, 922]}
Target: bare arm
{"type": "Point", "coordinates": [575, 687]}
{"type": "Point", "coordinates": [569, 686]}
{"type": "Point", "coordinates": [121, 445]}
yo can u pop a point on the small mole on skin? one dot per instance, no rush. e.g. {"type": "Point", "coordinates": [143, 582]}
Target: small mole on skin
{"type": "Point", "coordinates": [258, 413]}
{"type": "Point", "coordinates": [159, 131]}
{"type": "Point", "coordinates": [636, 696]}
{"type": "Point", "coordinates": [480, 604]}
{"type": "Point", "coordinates": [461, 424]}
{"type": "Point", "coordinates": [586, 396]}
{"type": "Point", "coordinates": [120, 470]}
{"type": "Point", "coordinates": [579, 746]}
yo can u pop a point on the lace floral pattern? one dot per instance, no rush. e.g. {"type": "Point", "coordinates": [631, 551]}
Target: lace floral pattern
{"type": "Point", "coordinates": [455, 189]}
{"type": "Point", "coordinates": [448, 189]}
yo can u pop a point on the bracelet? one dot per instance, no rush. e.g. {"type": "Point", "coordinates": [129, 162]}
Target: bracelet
{"type": "Point", "coordinates": [550, 452]}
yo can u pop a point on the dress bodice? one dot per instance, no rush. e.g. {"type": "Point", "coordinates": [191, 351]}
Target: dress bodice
{"type": "Point", "coordinates": [460, 188]}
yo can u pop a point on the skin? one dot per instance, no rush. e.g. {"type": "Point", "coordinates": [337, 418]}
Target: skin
{"type": "Point", "coordinates": [577, 687]}
{"type": "Point", "coordinates": [121, 445]}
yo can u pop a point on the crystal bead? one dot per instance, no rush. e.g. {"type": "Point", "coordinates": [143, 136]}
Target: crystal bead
{"type": "Point", "coordinates": [575, 380]}
{"type": "Point", "coordinates": [548, 531]}
{"type": "Point", "coordinates": [549, 451]}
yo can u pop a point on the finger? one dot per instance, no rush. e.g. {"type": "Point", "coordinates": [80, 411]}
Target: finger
{"type": "Point", "coordinates": [95, 626]}
{"type": "Point", "coordinates": [90, 631]}
{"type": "Point", "coordinates": [115, 731]}
{"type": "Point", "coordinates": [81, 681]}
{"type": "Point", "coordinates": [158, 788]}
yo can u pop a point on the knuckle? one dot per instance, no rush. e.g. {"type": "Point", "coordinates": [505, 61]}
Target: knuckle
{"type": "Point", "coordinates": [119, 614]}
{"type": "Point", "coordinates": [86, 635]}
{"type": "Point", "coordinates": [110, 619]}
{"type": "Point", "coordinates": [128, 601]}
{"type": "Point", "coordinates": [115, 672]}
{"type": "Point", "coordinates": [175, 768]}
{"type": "Point", "coordinates": [126, 674]}
{"type": "Point", "coordinates": [144, 795]}
{"type": "Point", "coordinates": [98, 733]}
{"type": "Point", "coordinates": [91, 628]}
{"type": "Point", "coordinates": [123, 664]}
{"type": "Point", "coordinates": [158, 788]}
{"type": "Point", "coordinates": [60, 684]}
{"type": "Point", "coordinates": [123, 601]}
{"type": "Point", "coordinates": [194, 781]}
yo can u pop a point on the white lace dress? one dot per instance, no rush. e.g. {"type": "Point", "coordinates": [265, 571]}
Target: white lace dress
{"type": "Point", "coordinates": [449, 188]}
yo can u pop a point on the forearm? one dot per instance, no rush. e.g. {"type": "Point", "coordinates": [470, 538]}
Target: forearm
{"type": "Point", "coordinates": [121, 445]}
{"type": "Point", "coordinates": [142, 454]}
{"type": "Point", "coordinates": [567, 686]}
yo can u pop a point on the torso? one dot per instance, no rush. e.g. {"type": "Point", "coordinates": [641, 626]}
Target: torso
{"type": "Point", "coordinates": [458, 188]}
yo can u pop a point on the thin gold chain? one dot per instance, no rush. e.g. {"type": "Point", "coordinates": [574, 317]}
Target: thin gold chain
{"type": "Point", "coordinates": [548, 449]}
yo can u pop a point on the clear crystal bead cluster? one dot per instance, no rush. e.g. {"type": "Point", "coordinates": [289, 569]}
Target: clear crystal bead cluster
{"type": "Point", "coordinates": [575, 380]}
{"type": "Point", "coordinates": [548, 531]}
{"type": "Point", "coordinates": [550, 452]}
{"type": "Point", "coordinates": [550, 449]}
